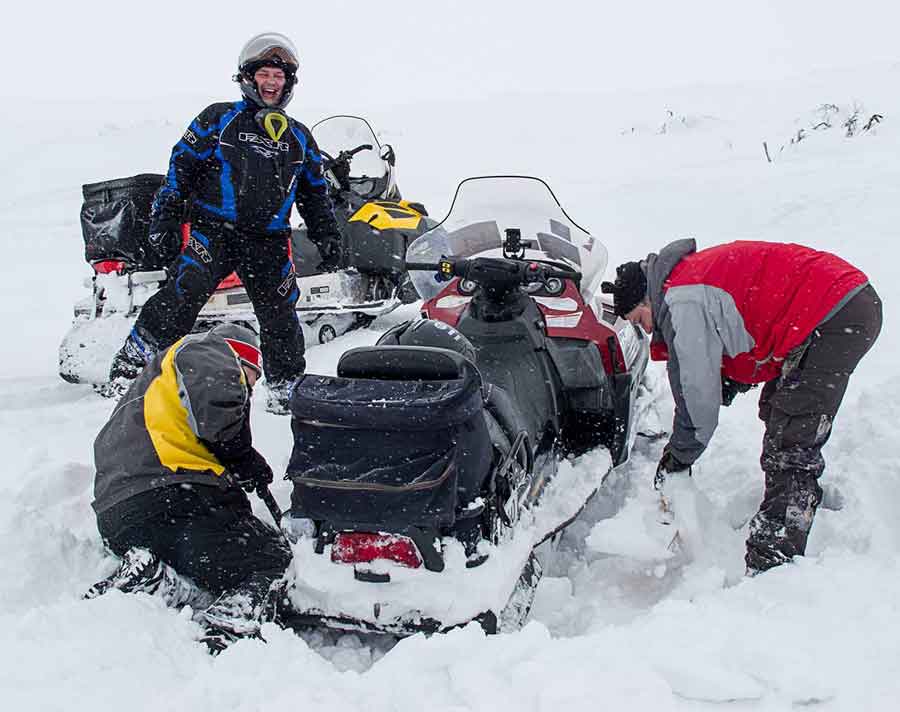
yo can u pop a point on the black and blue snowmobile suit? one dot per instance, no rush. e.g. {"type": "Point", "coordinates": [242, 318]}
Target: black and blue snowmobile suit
{"type": "Point", "coordinates": [226, 164]}
{"type": "Point", "coordinates": [236, 175]}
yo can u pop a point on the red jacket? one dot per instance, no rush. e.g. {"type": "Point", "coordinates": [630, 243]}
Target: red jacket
{"type": "Point", "coordinates": [738, 309]}
{"type": "Point", "coordinates": [782, 292]}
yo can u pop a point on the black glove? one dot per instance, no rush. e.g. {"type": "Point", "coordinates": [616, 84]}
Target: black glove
{"type": "Point", "coordinates": [251, 471]}
{"type": "Point", "coordinates": [244, 464]}
{"type": "Point", "coordinates": [332, 254]}
{"type": "Point", "coordinates": [730, 389]}
{"type": "Point", "coordinates": [341, 172]}
{"type": "Point", "coordinates": [165, 240]}
{"type": "Point", "coordinates": [668, 464]}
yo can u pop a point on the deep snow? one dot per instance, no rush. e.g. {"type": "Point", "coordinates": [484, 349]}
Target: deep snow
{"type": "Point", "coordinates": [618, 621]}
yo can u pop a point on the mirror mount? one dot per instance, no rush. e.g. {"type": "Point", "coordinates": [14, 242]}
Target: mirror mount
{"type": "Point", "coordinates": [387, 154]}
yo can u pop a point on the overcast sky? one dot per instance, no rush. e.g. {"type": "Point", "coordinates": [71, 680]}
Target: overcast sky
{"type": "Point", "coordinates": [399, 51]}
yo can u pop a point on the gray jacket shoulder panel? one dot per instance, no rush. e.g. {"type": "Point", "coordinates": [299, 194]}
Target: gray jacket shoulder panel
{"type": "Point", "coordinates": [721, 314]}
{"type": "Point", "coordinates": [210, 387]}
{"type": "Point", "coordinates": [658, 267]}
{"type": "Point", "coordinates": [702, 324]}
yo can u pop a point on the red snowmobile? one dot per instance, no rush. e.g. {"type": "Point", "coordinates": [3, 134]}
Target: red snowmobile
{"type": "Point", "coordinates": [428, 470]}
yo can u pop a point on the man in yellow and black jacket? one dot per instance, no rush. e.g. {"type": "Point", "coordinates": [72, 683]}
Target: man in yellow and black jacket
{"type": "Point", "coordinates": [172, 463]}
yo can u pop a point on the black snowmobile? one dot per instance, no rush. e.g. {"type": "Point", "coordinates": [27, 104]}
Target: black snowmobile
{"type": "Point", "coordinates": [427, 471]}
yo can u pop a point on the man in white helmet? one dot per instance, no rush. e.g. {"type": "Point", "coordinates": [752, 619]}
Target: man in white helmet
{"type": "Point", "coordinates": [235, 173]}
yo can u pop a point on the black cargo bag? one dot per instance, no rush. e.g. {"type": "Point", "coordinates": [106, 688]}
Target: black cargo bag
{"type": "Point", "coordinates": [387, 454]}
{"type": "Point", "coordinates": [115, 220]}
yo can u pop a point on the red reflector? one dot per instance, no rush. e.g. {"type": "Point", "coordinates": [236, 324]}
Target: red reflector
{"type": "Point", "coordinates": [365, 547]}
{"type": "Point", "coordinates": [109, 266]}
{"type": "Point", "coordinates": [232, 280]}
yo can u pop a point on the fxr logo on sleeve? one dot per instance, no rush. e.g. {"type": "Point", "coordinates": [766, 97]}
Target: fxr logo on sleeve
{"type": "Point", "coordinates": [200, 249]}
{"type": "Point", "coordinates": [288, 284]}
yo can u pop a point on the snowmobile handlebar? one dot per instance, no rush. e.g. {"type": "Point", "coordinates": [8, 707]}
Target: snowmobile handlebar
{"type": "Point", "coordinates": [494, 272]}
{"type": "Point", "coordinates": [346, 156]}
{"type": "Point", "coordinates": [339, 166]}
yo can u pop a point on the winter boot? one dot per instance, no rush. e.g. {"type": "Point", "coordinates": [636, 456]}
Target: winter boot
{"type": "Point", "coordinates": [233, 616]}
{"type": "Point", "coordinates": [780, 529]}
{"type": "Point", "coordinates": [278, 398]}
{"type": "Point", "coordinates": [128, 362]}
{"type": "Point", "coordinates": [141, 571]}
{"type": "Point", "coordinates": [767, 545]}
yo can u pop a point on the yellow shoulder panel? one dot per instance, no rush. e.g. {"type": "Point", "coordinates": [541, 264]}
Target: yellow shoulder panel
{"type": "Point", "coordinates": [166, 421]}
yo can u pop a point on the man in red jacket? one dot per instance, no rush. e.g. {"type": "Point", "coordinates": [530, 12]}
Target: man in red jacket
{"type": "Point", "coordinates": [730, 316]}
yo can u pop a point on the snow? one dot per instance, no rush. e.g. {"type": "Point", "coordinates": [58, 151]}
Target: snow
{"type": "Point", "coordinates": [619, 620]}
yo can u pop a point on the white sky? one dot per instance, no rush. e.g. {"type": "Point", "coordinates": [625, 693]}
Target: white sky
{"type": "Point", "coordinates": [365, 54]}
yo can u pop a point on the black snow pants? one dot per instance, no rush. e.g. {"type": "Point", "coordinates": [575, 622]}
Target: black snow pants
{"type": "Point", "coordinates": [263, 263]}
{"type": "Point", "coordinates": [798, 409]}
{"type": "Point", "coordinates": [205, 533]}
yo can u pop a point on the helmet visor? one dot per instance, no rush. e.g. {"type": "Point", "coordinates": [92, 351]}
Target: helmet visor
{"type": "Point", "coordinates": [269, 46]}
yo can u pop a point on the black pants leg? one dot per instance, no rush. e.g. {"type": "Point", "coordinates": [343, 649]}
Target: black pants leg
{"type": "Point", "coordinates": [205, 533]}
{"type": "Point", "coordinates": [206, 260]}
{"type": "Point", "coordinates": [799, 409]}
{"type": "Point", "coordinates": [265, 268]}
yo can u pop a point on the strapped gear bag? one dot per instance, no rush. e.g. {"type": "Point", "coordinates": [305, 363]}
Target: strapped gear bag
{"type": "Point", "coordinates": [371, 450]}
{"type": "Point", "coordinates": [115, 220]}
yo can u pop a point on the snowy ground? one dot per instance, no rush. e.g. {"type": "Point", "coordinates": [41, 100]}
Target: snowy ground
{"type": "Point", "coordinates": [618, 622]}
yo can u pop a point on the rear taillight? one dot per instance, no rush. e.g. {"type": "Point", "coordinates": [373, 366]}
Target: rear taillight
{"type": "Point", "coordinates": [232, 280]}
{"type": "Point", "coordinates": [109, 267]}
{"type": "Point", "coordinates": [365, 547]}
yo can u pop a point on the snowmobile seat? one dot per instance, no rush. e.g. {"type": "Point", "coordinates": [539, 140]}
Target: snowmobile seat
{"type": "Point", "coordinates": [405, 363]}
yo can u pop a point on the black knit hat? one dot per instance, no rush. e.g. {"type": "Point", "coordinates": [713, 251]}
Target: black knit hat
{"type": "Point", "coordinates": [629, 289]}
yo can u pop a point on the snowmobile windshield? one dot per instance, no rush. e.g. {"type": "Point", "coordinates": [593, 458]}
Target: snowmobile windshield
{"type": "Point", "coordinates": [369, 172]}
{"type": "Point", "coordinates": [485, 207]}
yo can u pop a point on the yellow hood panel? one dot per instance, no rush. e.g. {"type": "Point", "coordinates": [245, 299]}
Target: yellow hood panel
{"type": "Point", "coordinates": [384, 215]}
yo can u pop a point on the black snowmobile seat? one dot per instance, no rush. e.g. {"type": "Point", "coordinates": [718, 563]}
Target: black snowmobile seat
{"type": "Point", "coordinates": [404, 363]}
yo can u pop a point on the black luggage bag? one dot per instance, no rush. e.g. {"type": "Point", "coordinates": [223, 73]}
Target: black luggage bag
{"type": "Point", "coordinates": [115, 220]}
{"type": "Point", "coordinates": [387, 454]}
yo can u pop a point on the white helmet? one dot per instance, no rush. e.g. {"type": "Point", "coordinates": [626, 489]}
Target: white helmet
{"type": "Point", "coordinates": [269, 49]}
